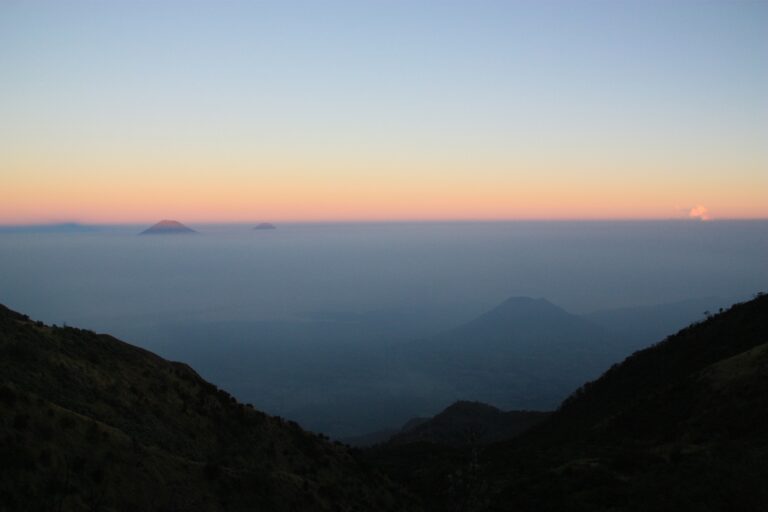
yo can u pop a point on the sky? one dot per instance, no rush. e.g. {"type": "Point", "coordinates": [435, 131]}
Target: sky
{"type": "Point", "coordinates": [118, 111]}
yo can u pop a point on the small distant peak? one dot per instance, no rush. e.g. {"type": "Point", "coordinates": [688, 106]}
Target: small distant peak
{"type": "Point", "coordinates": [264, 226]}
{"type": "Point", "coordinates": [168, 227]}
{"type": "Point", "coordinates": [523, 304]}
{"type": "Point", "coordinates": [524, 300]}
{"type": "Point", "coordinates": [470, 407]}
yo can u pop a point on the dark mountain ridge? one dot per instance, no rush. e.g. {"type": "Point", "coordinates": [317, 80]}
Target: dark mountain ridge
{"type": "Point", "coordinates": [680, 425]}
{"type": "Point", "coordinates": [644, 325]}
{"type": "Point", "coordinates": [677, 426]}
{"type": "Point", "coordinates": [467, 423]}
{"type": "Point", "coordinates": [525, 354]}
{"type": "Point", "coordinates": [685, 361]}
{"type": "Point", "coordinates": [89, 422]}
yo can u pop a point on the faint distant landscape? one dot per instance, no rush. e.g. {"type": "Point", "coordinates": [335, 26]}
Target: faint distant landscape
{"type": "Point", "coordinates": [384, 256]}
{"type": "Point", "coordinates": [336, 326]}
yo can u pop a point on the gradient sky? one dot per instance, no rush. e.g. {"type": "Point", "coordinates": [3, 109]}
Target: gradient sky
{"type": "Point", "coordinates": [117, 111]}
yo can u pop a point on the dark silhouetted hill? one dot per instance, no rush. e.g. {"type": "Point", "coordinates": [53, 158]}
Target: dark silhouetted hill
{"type": "Point", "coordinates": [677, 426]}
{"type": "Point", "coordinates": [168, 227]}
{"type": "Point", "coordinates": [469, 423]}
{"type": "Point", "coordinates": [264, 226]}
{"type": "Point", "coordinates": [88, 422]}
{"type": "Point", "coordinates": [350, 375]}
{"type": "Point", "coordinates": [524, 354]}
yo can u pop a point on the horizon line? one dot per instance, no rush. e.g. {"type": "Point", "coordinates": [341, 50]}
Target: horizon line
{"type": "Point", "coordinates": [383, 221]}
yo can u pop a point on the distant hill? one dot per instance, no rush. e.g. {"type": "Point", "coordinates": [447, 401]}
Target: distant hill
{"type": "Point", "coordinates": [524, 354]}
{"type": "Point", "coordinates": [468, 423]}
{"type": "Point", "coordinates": [88, 422]}
{"type": "Point", "coordinates": [264, 226]}
{"type": "Point", "coordinates": [359, 379]}
{"type": "Point", "coordinates": [678, 426]}
{"type": "Point", "coordinates": [66, 227]}
{"type": "Point", "coordinates": [168, 227]}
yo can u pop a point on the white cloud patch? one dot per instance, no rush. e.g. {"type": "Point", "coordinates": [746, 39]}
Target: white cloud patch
{"type": "Point", "coordinates": [699, 212]}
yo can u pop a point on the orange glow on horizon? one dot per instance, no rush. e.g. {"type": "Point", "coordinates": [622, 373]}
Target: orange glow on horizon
{"type": "Point", "coordinates": [143, 189]}
{"type": "Point", "coordinates": [319, 202]}
{"type": "Point", "coordinates": [205, 118]}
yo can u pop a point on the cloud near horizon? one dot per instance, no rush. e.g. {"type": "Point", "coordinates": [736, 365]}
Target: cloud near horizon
{"type": "Point", "coordinates": [699, 212]}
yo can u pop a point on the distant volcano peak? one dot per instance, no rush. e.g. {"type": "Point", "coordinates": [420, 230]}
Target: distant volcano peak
{"type": "Point", "coordinates": [168, 227]}
{"type": "Point", "coordinates": [525, 306]}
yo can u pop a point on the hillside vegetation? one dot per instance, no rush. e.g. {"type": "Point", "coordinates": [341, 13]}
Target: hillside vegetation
{"type": "Point", "coordinates": [88, 422]}
{"type": "Point", "coordinates": [678, 426]}
{"type": "Point", "coordinates": [91, 423]}
{"type": "Point", "coordinates": [468, 424]}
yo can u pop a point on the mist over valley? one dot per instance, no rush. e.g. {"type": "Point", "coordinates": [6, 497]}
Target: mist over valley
{"type": "Point", "coordinates": [356, 328]}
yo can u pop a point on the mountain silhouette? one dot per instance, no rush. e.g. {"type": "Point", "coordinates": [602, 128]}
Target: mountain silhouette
{"type": "Point", "coordinates": [523, 354]}
{"type": "Point", "coordinates": [468, 423]}
{"type": "Point", "coordinates": [677, 426]}
{"type": "Point", "coordinates": [168, 227]}
{"type": "Point", "coordinates": [88, 422]}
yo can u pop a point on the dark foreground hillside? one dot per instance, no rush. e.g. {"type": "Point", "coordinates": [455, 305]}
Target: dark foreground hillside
{"type": "Point", "coordinates": [468, 424]}
{"type": "Point", "coordinates": [680, 426]}
{"type": "Point", "coordinates": [88, 422]}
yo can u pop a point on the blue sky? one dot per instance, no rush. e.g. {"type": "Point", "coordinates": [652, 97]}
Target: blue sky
{"type": "Point", "coordinates": [609, 99]}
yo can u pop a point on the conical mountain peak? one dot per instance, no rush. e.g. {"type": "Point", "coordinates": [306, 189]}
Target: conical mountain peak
{"type": "Point", "coordinates": [168, 227]}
